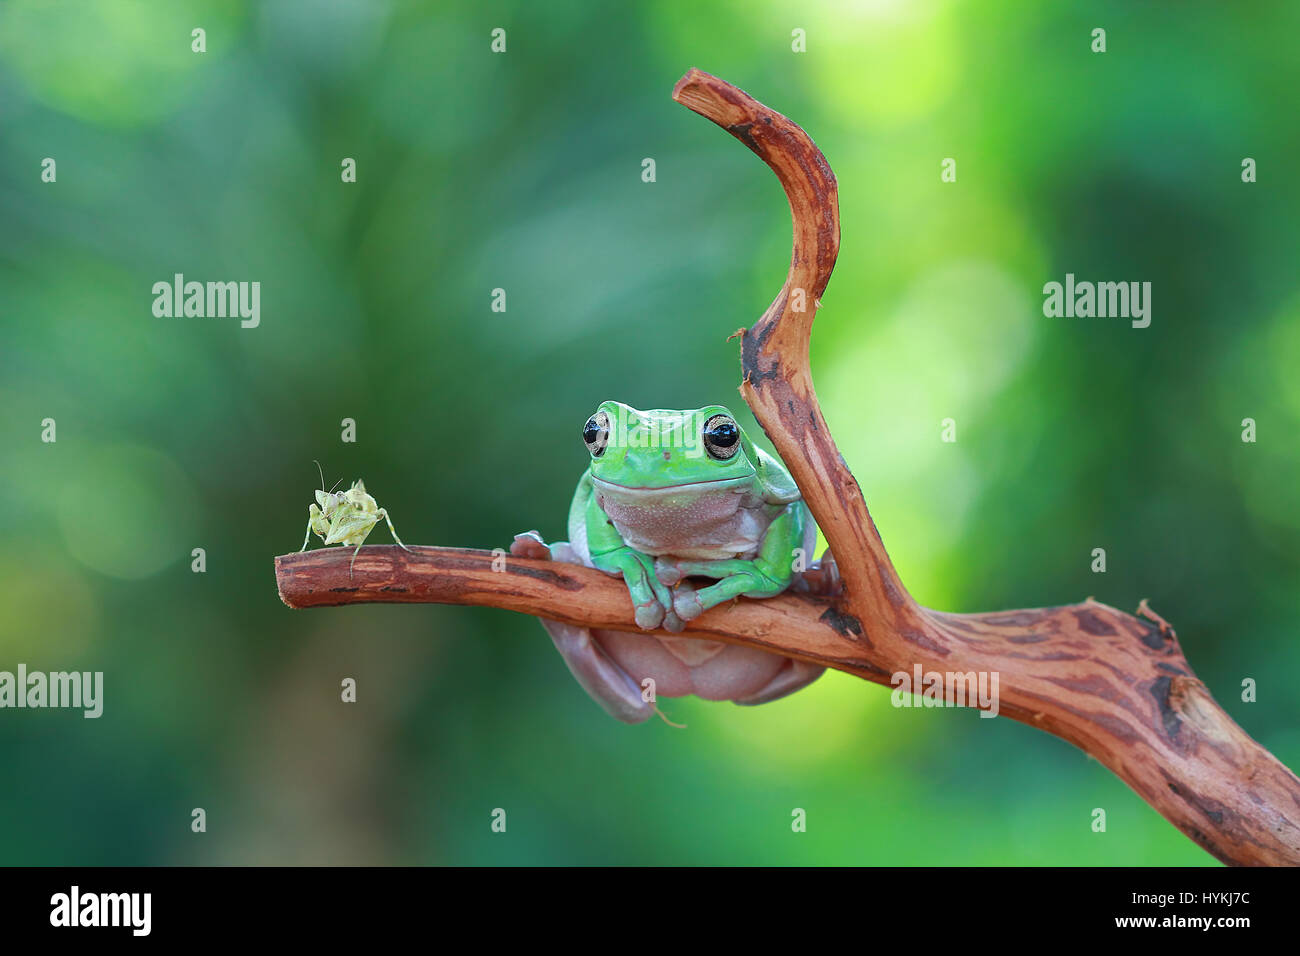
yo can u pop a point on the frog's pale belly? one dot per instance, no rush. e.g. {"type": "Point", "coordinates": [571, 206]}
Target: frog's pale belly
{"type": "Point", "coordinates": [696, 522]}
{"type": "Point", "coordinates": [683, 666]}
{"type": "Point", "coordinates": [704, 521]}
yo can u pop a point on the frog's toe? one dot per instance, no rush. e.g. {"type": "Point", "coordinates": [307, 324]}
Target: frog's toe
{"type": "Point", "coordinates": [667, 572]}
{"type": "Point", "coordinates": [649, 615]}
{"type": "Point", "coordinates": [563, 551]}
{"type": "Point", "coordinates": [822, 578]}
{"type": "Point", "coordinates": [529, 544]}
{"type": "Point", "coordinates": [686, 603]}
{"type": "Point", "coordinates": [672, 622]}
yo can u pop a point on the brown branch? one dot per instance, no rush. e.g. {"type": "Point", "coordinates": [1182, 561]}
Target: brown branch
{"type": "Point", "coordinates": [1117, 687]}
{"type": "Point", "coordinates": [792, 625]}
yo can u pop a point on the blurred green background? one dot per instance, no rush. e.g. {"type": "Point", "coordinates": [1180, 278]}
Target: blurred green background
{"type": "Point", "coordinates": [523, 171]}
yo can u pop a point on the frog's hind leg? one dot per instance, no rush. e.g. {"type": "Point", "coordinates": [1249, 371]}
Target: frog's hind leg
{"type": "Point", "coordinates": [601, 677]}
{"type": "Point", "coordinates": [790, 678]}
{"type": "Point", "coordinates": [607, 683]}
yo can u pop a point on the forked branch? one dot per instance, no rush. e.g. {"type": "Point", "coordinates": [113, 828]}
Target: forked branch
{"type": "Point", "coordinates": [1117, 687]}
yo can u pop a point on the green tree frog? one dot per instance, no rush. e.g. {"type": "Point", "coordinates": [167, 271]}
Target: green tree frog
{"type": "Point", "coordinates": [670, 501]}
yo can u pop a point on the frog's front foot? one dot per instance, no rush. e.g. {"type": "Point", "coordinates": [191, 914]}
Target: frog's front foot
{"type": "Point", "coordinates": [649, 615]}
{"type": "Point", "coordinates": [652, 601]}
{"type": "Point", "coordinates": [673, 621]}
{"type": "Point", "coordinates": [667, 571]}
{"type": "Point", "coordinates": [823, 578]}
{"type": "Point", "coordinates": [529, 544]}
{"type": "Point", "coordinates": [686, 603]}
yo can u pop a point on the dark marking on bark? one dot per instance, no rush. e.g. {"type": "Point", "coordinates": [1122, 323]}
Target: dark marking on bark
{"type": "Point", "coordinates": [1171, 669]}
{"type": "Point", "coordinates": [886, 576]}
{"type": "Point", "coordinates": [1212, 810]}
{"type": "Point", "coordinates": [756, 375]}
{"type": "Point", "coordinates": [846, 625]}
{"type": "Point", "coordinates": [1054, 656]}
{"type": "Point", "coordinates": [1026, 638]}
{"type": "Point", "coordinates": [1151, 636]}
{"type": "Point", "coordinates": [562, 581]}
{"type": "Point", "coordinates": [394, 587]}
{"type": "Point", "coordinates": [1124, 676]}
{"type": "Point", "coordinates": [1013, 618]}
{"type": "Point", "coordinates": [916, 637]}
{"type": "Point", "coordinates": [1094, 686]}
{"type": "Point", "coordinates": [751, 347]}
{"type": "Point", "coordinates": [476, 563]}
{"type": "Point", "coordinates": [344, 590]}
{"type": "Point", "coordinates": [764, 327]}
{"type": "Point", "coordinates": [742, 132]}
{"type": "Point", "coordinates": [1205, 843]}
{"type": "Point", "coordinates": [1116, 727]}
{"type": "Point", "coordinates": [1113, 725]}
{"type": "Point", "coordinates": [1168, 716]}
{"type": "Point", "coordinates": [864, 667]}
{"type": "Point", "coordinates": [1090, 623]}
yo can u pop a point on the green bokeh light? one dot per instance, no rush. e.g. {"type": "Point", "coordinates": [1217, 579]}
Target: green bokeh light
{"type": "Point", "coordinates": [523, 171]}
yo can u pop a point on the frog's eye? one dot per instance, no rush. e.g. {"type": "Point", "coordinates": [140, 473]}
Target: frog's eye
{"type": "Point", "coordinates": [721, 437]}
{"type": "Point", "coordinates": [595, 434]}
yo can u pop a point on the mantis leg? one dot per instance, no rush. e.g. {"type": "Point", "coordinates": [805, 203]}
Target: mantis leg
{"type": "Point", "coordinates": [307, 537]}
{"type": "Point", "coordinates": [392, 530]}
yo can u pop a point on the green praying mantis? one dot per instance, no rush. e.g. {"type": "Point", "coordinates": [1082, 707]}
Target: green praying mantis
{"type": "Point", "coordinates": [345, 518]}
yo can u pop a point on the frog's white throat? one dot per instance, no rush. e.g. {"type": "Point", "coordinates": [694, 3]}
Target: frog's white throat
{"type": "Point", "coordinates": [701, 520]}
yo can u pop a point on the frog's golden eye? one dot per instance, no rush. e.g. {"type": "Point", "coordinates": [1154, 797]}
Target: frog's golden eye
{"type": "Point", "coordinates": [721, 437]}
{"type": "Point", "coordinates": [595, 434]}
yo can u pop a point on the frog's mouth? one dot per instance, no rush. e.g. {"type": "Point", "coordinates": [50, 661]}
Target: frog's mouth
{"type": "Point", "coordinates": [646, 491]}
